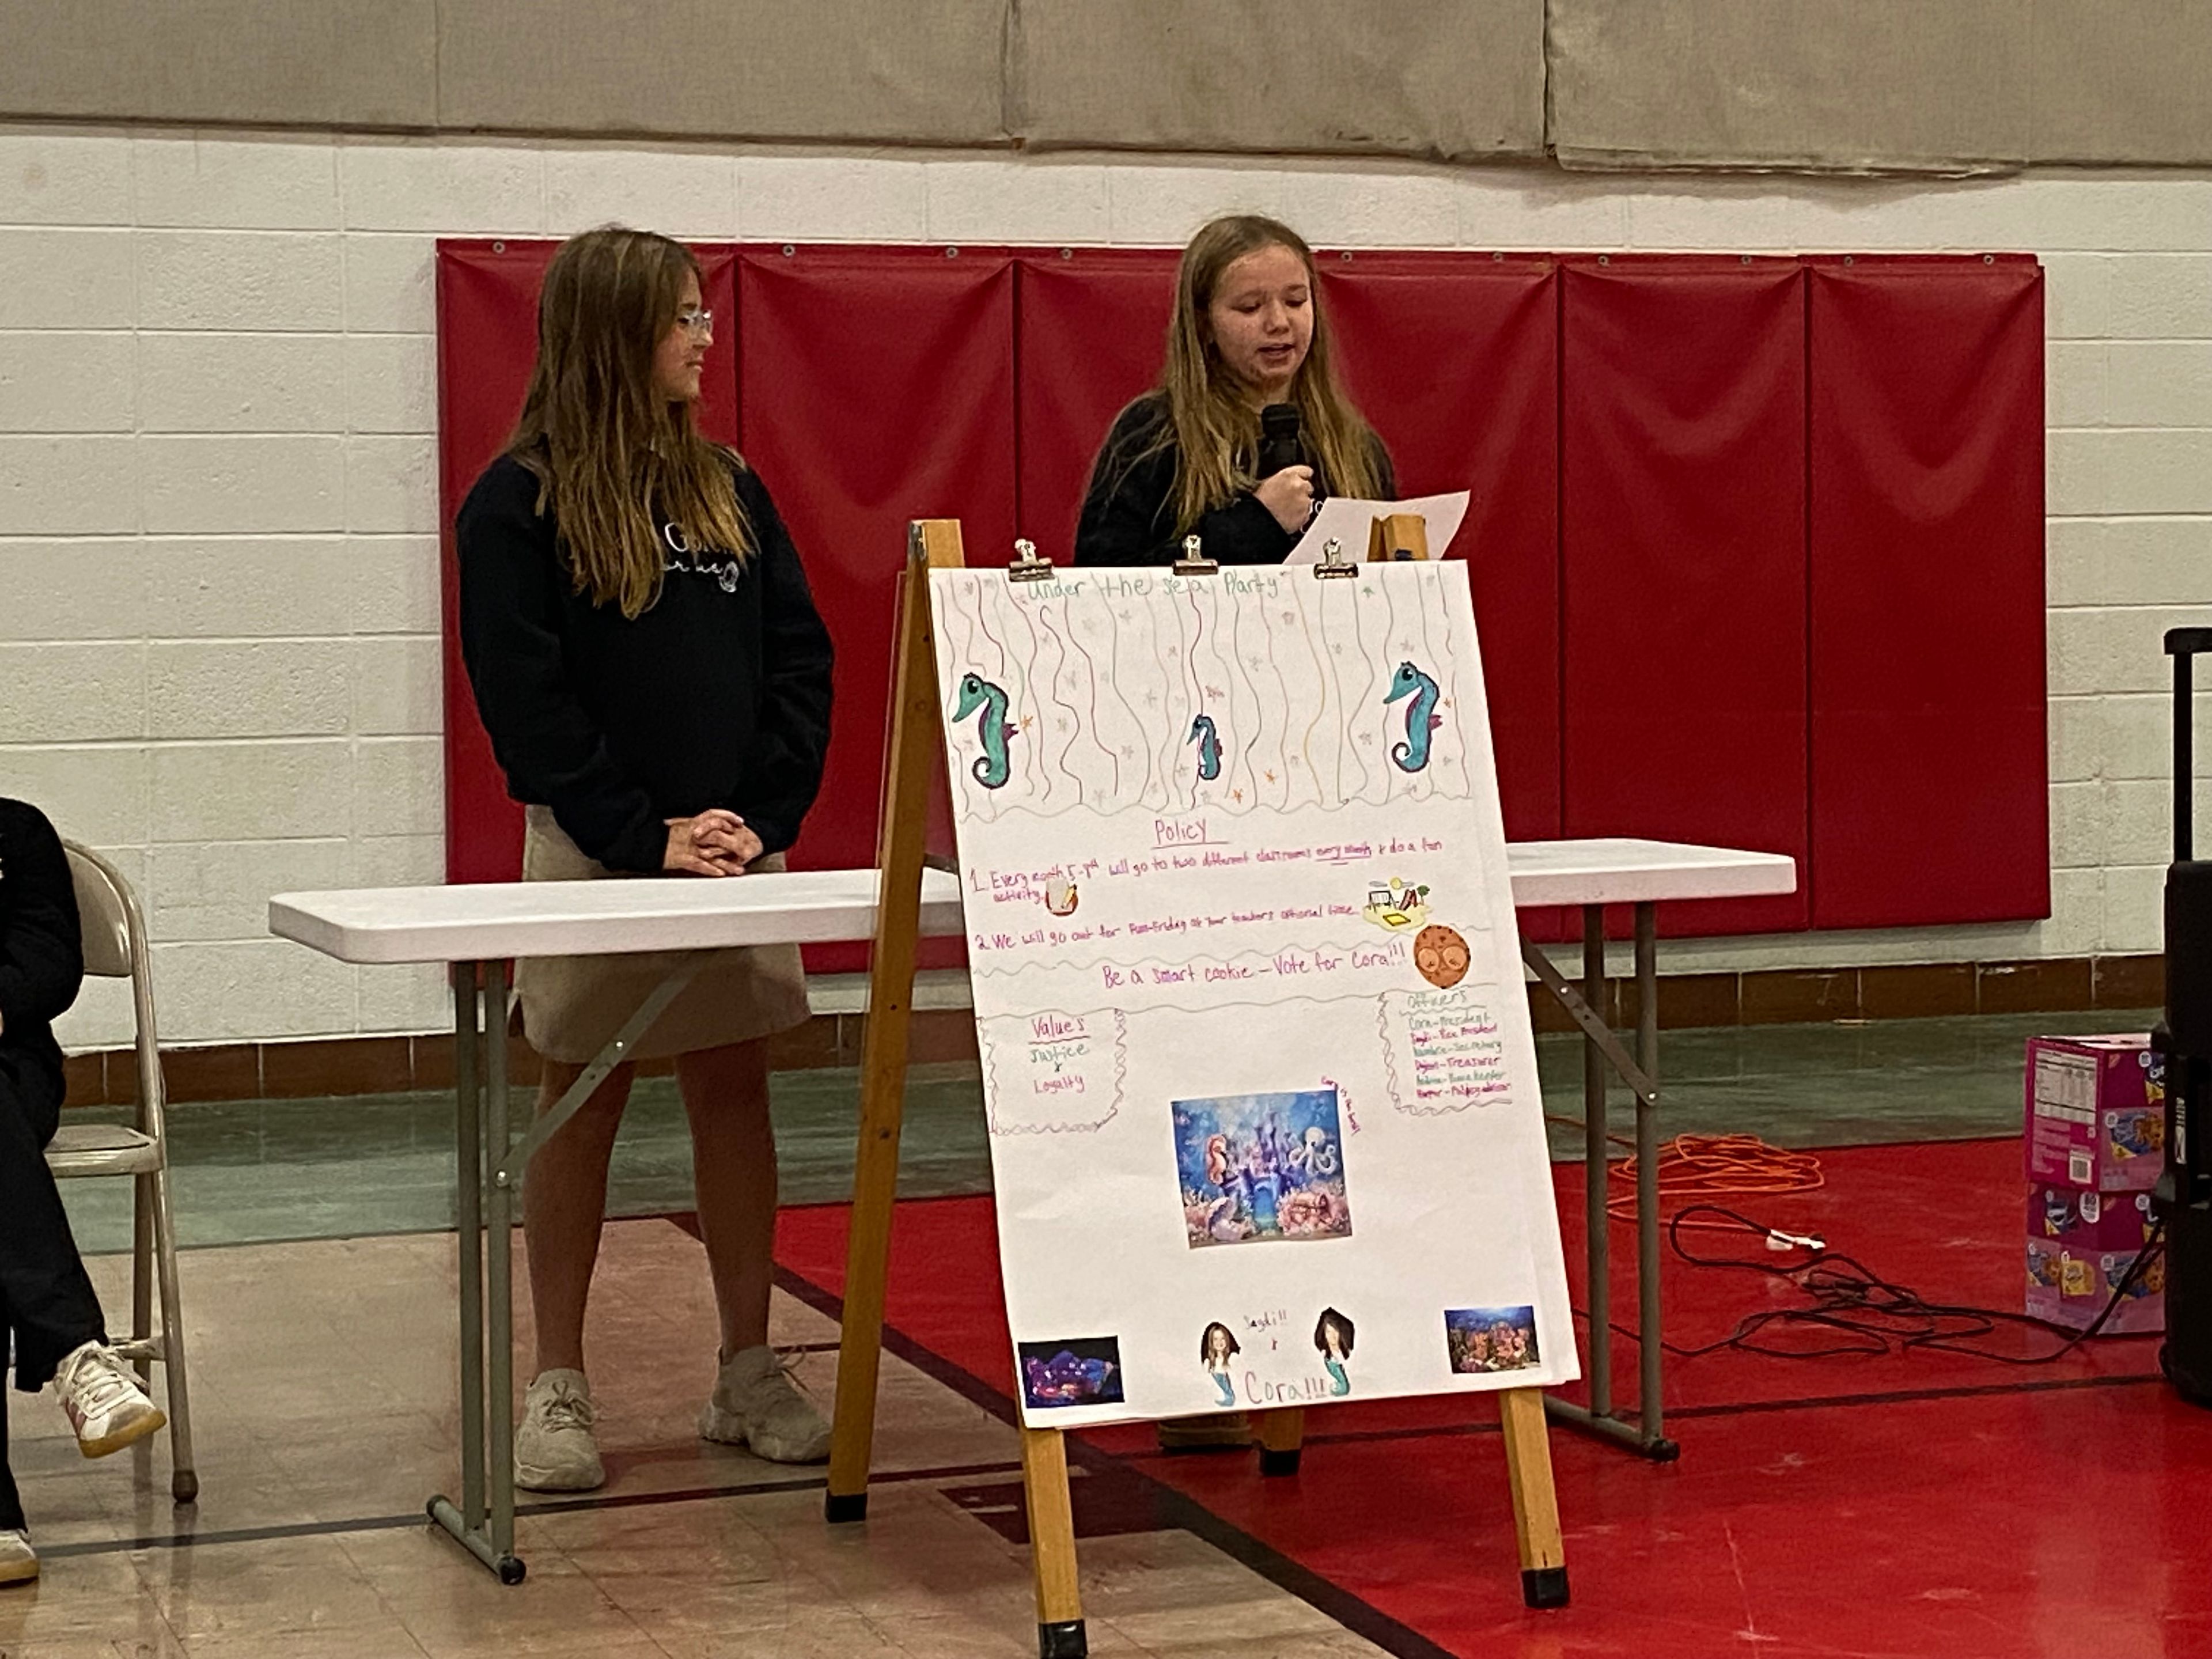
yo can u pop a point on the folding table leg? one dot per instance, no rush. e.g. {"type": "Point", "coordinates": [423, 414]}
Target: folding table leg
{"type": "Point", "coordinates": [1599, 1292]}
{"type": "Point", "coordinates": [499, 1287]}
{"type": "Point", "coordinates": [467, 1521]}
{"type": "Point", "coordinates": [1650, 1359]}
{"type": "Point", "coordinates": [1601, 1047]}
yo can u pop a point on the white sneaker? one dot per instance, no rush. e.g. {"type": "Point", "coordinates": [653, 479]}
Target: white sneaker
{"type": "Point", "coordinates": [755, 1404]}
{"type": "Point", "coordinates": [106, 1404]}
{"type": "Point", "coordinates": [553, 1450]}
{"type": "Point", "coordinates": [19, 1562]}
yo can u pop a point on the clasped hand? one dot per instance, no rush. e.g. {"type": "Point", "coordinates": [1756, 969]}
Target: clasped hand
{"type": "Point", "coordinates": [715, 843]}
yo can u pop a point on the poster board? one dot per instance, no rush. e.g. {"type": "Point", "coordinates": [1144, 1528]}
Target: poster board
{"type": "Point", "coordinates": [1261, 1086]}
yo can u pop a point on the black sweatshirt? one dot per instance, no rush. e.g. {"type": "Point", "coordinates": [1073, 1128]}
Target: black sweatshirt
{"type": "Point", "coordinates": [1129, 511]}
{"type": "Point", "coordinates": [41, 949]}
{"type": "Point", "coordinates": [717, 695]}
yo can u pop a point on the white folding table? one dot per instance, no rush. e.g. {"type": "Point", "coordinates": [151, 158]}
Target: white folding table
{"type": "Point", "coordinates": [1593, 874]}
{"type": "Point", "coordinates": [477, 930]}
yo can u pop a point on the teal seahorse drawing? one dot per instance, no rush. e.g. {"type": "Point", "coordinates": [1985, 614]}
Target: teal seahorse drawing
{"type": "Point", "coordinates": [1421, 717]}
{"type": "Point", "coordinates": [1209, 747]}
{"type": "Point", "coordinates": [992, 765]}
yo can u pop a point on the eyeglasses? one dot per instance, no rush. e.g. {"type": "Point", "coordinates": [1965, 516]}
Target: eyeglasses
{"type": "Point", "coordinates": [697, 322]}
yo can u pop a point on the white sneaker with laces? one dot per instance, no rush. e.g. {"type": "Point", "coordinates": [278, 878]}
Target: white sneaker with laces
{"type": "Point", "coordinates": [106, 1404]}
{"type": "Point", "coordinates": [755, 1404]}
{"type": "Point", "coordinates": [19, 1562]}
{"type": "Point", "coordinates": [554, 1446]}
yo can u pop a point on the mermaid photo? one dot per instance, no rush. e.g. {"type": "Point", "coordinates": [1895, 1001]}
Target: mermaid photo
{"type": "Point", "coordinates": [1333, 1337]}
{"type": "Point", "coordinates": [1256, 1167]}
{"type": "Point", "coordinates": [1216, 1348]}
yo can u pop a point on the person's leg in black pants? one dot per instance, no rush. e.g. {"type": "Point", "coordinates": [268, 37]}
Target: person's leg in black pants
{"type": "Point", "coordinates": [11, 1502]}
{"type": "Point", "coordinates": [47, 1299]}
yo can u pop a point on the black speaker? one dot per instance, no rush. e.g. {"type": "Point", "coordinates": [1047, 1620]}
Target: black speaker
{"type": "Point", "coordinates": [2183, 1195]}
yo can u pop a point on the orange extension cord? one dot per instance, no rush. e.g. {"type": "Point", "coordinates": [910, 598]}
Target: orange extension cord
{"type": "Point", "coordinates": [1698, 1169]}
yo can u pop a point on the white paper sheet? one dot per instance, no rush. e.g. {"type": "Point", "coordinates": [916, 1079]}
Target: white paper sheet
{"type": "Point", "coordinates": [1348, 520]}
{"type": "Point", "coordinates": [1261, 1087]}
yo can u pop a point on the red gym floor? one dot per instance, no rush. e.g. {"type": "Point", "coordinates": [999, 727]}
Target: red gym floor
{"type": "Point", "coordinates": [1903, 1504]}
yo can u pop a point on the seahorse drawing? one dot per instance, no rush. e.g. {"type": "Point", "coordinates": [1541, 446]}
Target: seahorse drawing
{"type": "Point", "coordinates": [1209, 747]}
{"type": "Point", "coordinates": [992, 765]}
{"type": "Point", "coordinates": [1421, 717]}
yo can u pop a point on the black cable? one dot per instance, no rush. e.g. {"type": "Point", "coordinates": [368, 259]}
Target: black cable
{"type": "Point", "coordinates": [1872, 1314]}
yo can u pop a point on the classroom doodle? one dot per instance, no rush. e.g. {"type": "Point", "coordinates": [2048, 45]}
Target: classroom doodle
{"type": "Point", "coordinates": [1441, 955]}
{"type": "Point", "coordinates": [1421, 717]}
{"type": "Point", "coordinates": [1209, 748]}
{"type": "Point", "coordinates": [993, 733]}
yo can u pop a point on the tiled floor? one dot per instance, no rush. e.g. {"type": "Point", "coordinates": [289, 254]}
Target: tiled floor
{"type": "Point", "coordinates": [323, 1377]}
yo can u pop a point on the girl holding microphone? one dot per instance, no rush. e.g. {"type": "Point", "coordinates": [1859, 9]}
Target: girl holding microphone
{"type": "Point", "coordinates": [1248, 331]}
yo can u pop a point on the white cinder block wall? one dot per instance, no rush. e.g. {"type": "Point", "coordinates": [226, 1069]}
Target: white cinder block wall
{"type": "Point", "coordinates": [218, 500]}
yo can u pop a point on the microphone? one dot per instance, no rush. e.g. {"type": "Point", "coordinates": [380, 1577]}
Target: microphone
{"type": "Point", "coordinates": [1278, 439]}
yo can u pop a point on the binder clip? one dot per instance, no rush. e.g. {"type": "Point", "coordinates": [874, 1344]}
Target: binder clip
{"type": "Point", "coordinates": [1333, 561]}
{"type": "Point", "coordinates": [1194, 562]}
{"type": "Point", "coordinates": [1027, 567]}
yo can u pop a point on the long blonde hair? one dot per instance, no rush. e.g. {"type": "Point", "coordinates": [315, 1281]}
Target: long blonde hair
{"type": "Point", "coordinates": [610, 452]}
{"type": "Point", "coordinates": [1217, 431]}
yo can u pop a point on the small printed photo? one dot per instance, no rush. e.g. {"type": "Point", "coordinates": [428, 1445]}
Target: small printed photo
{"type": "Point", "coordinates": [1333, 1333]}
{"type": "Point", "coordinates": [1083, 1371]}
{"type": "Point", "coordinates": [1260, 1167]}
{"type": "Point", "coordinates": [1491, 1339]}
{"type": "Point", "coordinates": [1217, 1346]}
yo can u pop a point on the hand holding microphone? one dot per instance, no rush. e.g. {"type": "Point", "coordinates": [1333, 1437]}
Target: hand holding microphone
{"type": "Point", "coordinates": [1286, 487]}
{"type": "Point", "coordinates": [1289, 496]}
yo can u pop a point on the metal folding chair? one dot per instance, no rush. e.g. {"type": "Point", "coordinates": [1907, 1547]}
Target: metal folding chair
{"type": "Point", "coordinates": [115, 948]}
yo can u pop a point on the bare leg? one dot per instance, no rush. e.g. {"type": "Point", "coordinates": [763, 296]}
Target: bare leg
{"type": "Point", "coordinates": [733, 1174]}
{"type": "Point", "coordinates": [563, 1202]}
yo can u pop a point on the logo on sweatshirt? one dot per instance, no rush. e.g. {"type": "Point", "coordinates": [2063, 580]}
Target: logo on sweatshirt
{"type": "Point", "coordinates": [683, 557]}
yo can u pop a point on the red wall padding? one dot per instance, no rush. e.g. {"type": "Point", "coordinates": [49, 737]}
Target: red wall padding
{"type": "Point", "coordinates": [1929, 798]}
{"type": "Point", "coordinates": [1682, 527]}
{"type": "Point", "coordinates": [1093, 334]}
{"type": "Point", "coordinates": [1635, 434]}
{"type": "Point", "coordinates": [1454, 357]}
{"type": "Point", "coordinates": [487, 341]}
{"type": "Point", "coordinates": [877, 387]}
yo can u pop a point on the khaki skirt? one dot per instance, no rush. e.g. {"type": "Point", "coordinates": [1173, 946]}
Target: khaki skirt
{"type": "Point", "coordinates": [572, 1007]}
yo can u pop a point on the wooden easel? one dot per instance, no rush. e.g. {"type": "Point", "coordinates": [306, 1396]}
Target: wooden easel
{"type": "Point", "coordinates": [914, 750]}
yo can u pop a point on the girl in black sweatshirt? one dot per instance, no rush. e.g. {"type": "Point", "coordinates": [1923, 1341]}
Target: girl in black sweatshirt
{"type": "Point", "coordinates": [1248, 331]}
{"type": "Point", "coordinates": [655, 681]}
